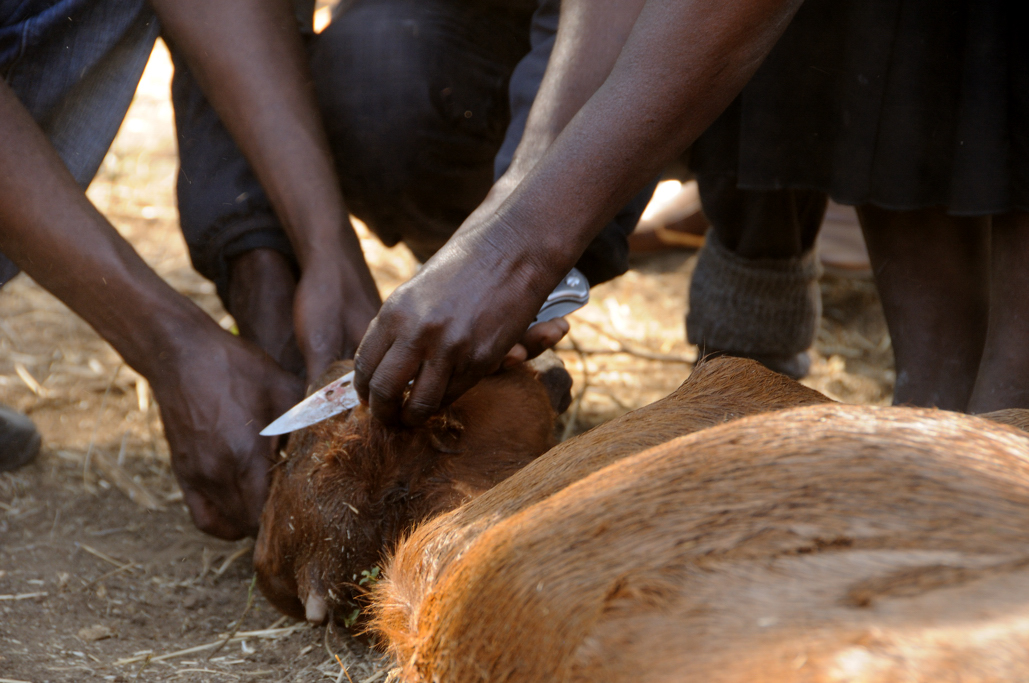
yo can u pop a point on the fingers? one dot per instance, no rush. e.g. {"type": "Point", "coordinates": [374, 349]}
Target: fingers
{"type": "Point", "coordinates": [546, 335]}
{"type": "Point", "coordinates": [387, 386]}
{"type": "Point", "coordinates": [369, 356]}
{"type": "Point", "coordinates": [463, 379]}
{"type": "Point", "coordinates": [331, 314]}
{"type": "Point", "coordinates": [438, 382]}
{"type": "Point", "coordinates": [426, 395]}
{"type": "Point", "coordinates": [224, 505]}
{"type": "Point", "coordinates": [517, 354]}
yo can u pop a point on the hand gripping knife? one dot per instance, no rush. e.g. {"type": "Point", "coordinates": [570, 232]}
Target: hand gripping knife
{"type": "Point", "coordinates": [572, 293]}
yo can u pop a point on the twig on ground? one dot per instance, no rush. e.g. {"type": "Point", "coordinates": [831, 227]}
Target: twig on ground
{"type": "Point", "coordinates": [146, 662]}
{"type": "Point", "coordinates": [328, 631]}
{"type": "Point", "coordinates": [343, 671]}
{"type": "Point", "coordinates": [232, 558]}
{"type": "Point", "coordinates": [275, 625]}
{"type": "Point", "coordinates": [645, 355]}
{"type": "Point", "coordinates": [106, 558]}
{"type": "Point", "coordinates": [120, 462]}
{"type": "Point", "coordinates": [108, 575]}
{"type": "Point", "coordinates": [239, 622]}
{"type": "Point", "coordinates": [34, 386]}
{"type": "Point", "coordinates": [627, 347]}
{"type": "Point", "coordinates": [53, 527]}
{"type": "Point", "coordinates": [205, 563]}
{"type": "Point", "coordinates": [135, 491]}
{"type": "Point", "coordinates": [264, 634]}
{"type": "Point", "coordinates": [185, 672]}
{"type": "Point", "coordinates": [22, 596]}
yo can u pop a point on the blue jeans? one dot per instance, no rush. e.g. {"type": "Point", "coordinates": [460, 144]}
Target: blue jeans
{"type": "Point", "coordinates": [75, 65]}
{"type": "Point", "coordinates": [424, 102]}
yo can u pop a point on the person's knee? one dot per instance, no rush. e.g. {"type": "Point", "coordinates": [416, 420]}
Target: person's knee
{"type": "Point", "coordinates": [372, 75]}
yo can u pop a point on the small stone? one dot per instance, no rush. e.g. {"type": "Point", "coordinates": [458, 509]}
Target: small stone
{"type": "Point", "coordinates": [194, 601]}
{"type": "Point", "coordinates": [91, 634]}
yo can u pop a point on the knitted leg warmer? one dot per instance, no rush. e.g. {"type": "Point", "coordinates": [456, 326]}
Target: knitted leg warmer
{"type": "Point", "coordinates": [753, 307]}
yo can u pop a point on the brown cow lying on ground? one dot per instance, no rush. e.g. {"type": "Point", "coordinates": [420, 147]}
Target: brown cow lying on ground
{"type": "Point", "coordinates": [822, 543]}
{"type": "Point", "coordinates": [348, 488]}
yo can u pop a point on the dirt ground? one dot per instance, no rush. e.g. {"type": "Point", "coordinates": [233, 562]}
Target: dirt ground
{"type": "Point", "coordinates": [103, 577]}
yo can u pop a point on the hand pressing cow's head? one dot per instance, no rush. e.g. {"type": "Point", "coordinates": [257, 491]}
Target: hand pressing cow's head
{"type": "Point", "coordinates": [348, 488]}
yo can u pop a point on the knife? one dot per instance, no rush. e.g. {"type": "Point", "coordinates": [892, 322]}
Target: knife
{"type": "Point", "coordinates": [572, 293]}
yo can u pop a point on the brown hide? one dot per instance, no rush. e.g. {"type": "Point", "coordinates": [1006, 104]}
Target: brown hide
{"type": "Point", "coordinates": [719, 390]}
{"type": "Point", "coordinates": [348, 488]}
{"type": "Point", "coordinates": [822, 543]}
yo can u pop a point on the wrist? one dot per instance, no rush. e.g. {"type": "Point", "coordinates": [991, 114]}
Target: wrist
{"type": "Point", "coordinates": [527, 253]}
{"type": "Point", "coordinates": [318, 239]}
{"type": "Point", "coordinates": [171, 338]}
{"type": "Point", "coordinates": [149, 324]}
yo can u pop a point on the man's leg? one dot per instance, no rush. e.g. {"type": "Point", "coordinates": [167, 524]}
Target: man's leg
{"type": "Point", "coordinates": [75, 72]}
{"type": "Point", "coordinates": [414, 97]}
{"type": "Point", "coordinates": [755, 291]}
{"type": "Point", "coordinates": [932, 272]}
{"type": "Point", "coordinates": [233, 235]}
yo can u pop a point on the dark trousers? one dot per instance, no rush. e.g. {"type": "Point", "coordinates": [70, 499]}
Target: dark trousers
{"type": "Point", "coordinates": [74, 65]}
{"type": "Point", "coordinates": [424, 102]}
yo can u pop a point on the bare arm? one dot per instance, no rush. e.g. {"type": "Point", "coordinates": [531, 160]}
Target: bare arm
{"type": "Point", "coordinates": [213, 390]}
{"type": "Point", "coordinates": [681, 65]}
{"type": "Point", "coordinates": [248, 58]}
{"type": "Point", "coordinates": [590, 37]}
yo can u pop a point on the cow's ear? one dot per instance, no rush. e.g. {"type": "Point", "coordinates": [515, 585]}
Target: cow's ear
{"type": "Point", "coordinates": [551, 373]}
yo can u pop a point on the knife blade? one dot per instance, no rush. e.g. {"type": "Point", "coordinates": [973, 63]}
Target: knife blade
{"type": "Point", "coordinates": [339, 395]}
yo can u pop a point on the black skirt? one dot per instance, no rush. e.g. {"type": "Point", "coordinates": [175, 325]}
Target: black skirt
{"type": "Point", "coordinates": [905, 104]}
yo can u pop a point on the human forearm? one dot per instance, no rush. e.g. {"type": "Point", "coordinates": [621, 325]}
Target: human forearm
{"type": "Point", "coordinates": [213, 390]}
{"type": "Point", "coordinates": [682, 64]}
{"type": "Point", "coordinates": [590, 36]}
{"type": "Point", "coordinates": [49, 228]}
{"type": "Point", "coordinates": [248, 57]}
